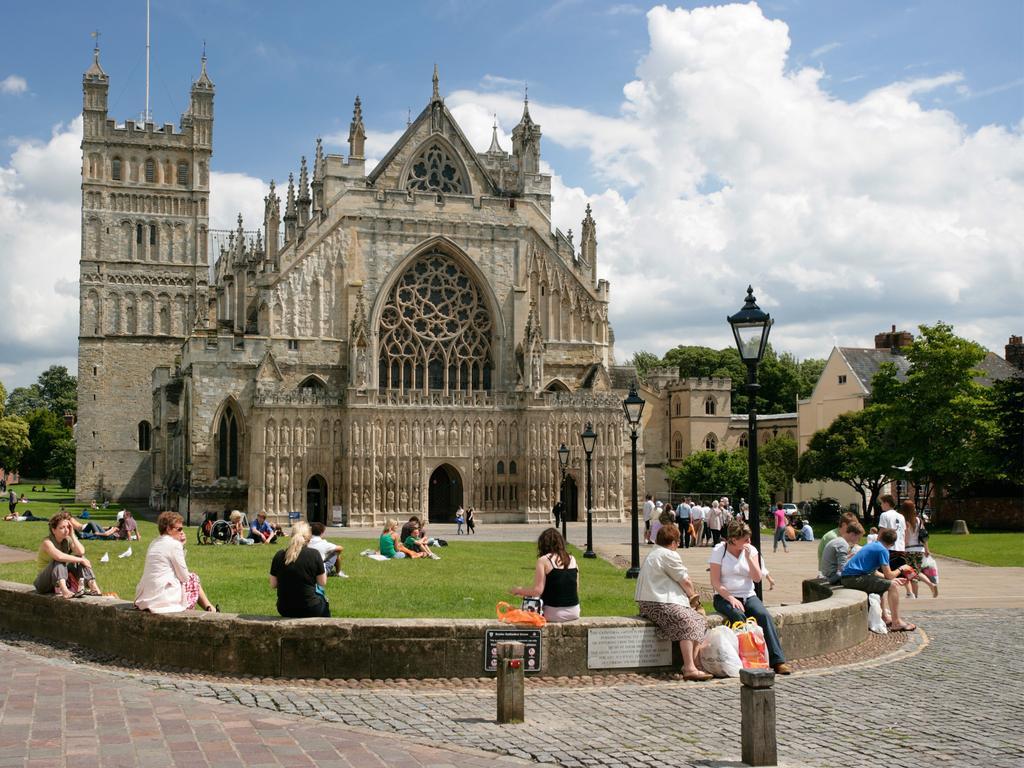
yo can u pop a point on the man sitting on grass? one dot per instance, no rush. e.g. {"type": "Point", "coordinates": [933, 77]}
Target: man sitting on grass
{"type": "Point", "coordinates": [860, 572]}
{"type": "Point", "coordinates": [418, 543]}
{"type": "Point", "coordinates": [329, 551]}
{"type": "Point", "coordinates": [261, 532]}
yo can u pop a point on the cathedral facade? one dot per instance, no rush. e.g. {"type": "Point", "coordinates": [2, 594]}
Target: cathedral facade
{"type": "Point", "coordinates": [391, 341]}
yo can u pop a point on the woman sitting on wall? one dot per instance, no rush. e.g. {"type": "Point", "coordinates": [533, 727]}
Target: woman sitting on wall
{"type": "Point", "coordinates": [64, 569]}
{"type": "Point", "coordinates": [299, 576]}
{"type": "Point", "coordinates": [556, 579]}
{"type": "Point", "coordinates": [735, 567]}
{"type": "Point", "coordinates": [666, 596]}
{"type": "Point", "coordinates": [167, 585]}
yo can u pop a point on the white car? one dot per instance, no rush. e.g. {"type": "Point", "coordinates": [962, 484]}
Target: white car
{"type": "Point", "coordinates": [790, 509]}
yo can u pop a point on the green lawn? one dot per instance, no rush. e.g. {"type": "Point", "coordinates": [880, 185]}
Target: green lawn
{"type": "Point", "coordinates": [983, 547]}
{"type": "Point", "coordinates": [467, 582]}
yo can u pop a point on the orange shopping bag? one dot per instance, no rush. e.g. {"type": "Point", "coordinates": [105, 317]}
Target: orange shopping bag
{"type": "Point", "coordinates": [752, 647]}
{"type": "Point", "coordinates": [510, 615]}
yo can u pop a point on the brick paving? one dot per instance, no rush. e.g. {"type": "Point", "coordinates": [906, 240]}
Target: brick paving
{"type": "Point", "coordinates": [948, 697]}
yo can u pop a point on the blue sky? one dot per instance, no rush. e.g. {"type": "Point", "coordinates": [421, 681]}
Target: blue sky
{"type": "Point", "coordinates": [847, 157]}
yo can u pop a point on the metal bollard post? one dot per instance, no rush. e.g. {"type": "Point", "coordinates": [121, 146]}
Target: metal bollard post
{"type": "Point", "coordinates": [757, 717]}
{"type": "Point", "coordinates": [511, 685]}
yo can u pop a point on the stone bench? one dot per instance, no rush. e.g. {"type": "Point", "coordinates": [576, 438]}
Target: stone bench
{"type": "Point", "coordinates": [263, 646]}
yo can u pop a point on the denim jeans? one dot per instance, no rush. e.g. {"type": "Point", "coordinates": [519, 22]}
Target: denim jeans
{"type": "Point", "coordinates": [780, 535]}
{"type": "Point", "coordinates": [754, 608]}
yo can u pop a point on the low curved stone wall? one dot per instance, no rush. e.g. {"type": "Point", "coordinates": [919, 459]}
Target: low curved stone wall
{"type": "Point", "coordinates": [264, 646]}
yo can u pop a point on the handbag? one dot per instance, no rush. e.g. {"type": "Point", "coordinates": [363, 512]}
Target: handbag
{"type": "Point", "coordinates": [509, 615]}
{"type": "Point", "coordinates": [696, 604]}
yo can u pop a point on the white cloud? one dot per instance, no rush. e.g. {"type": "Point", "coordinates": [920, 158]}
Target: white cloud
{"type": "Point", "coordinates": [846, 216]}
{"type": "Point", "coordinates": [13, 85]}
{"type": "Point", "coordinates": [234, 193]}
{"type": "Point", "coordinates": [821, 50]}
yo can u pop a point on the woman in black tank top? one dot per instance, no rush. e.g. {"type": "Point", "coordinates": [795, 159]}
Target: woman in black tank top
{"type": "Point", "coordinates": [556, 579]}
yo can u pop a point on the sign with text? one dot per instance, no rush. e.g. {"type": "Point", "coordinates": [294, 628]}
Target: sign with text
{"type": "Point", "coordinates": [528, 637]}
{"type": "Point", "coordinates": [627, 647]}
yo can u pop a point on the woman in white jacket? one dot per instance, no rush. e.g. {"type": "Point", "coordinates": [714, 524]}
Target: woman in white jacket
{"type": "Point", "coordinates": [167, 586]}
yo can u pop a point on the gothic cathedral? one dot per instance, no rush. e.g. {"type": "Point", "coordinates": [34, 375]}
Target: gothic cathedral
{"type": "Point", "coordinates": [399, 341]}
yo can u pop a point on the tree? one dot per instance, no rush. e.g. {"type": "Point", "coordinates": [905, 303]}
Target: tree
{"type": "Point", "coordinates": [644, 362]}
{"type": "Point", "coordinates": [778, 459]}
{"type": "Point", "coordinates": [61, 464]}
{"type": "Point", "coordinates": [705, 362]}
{"type": "Point", "coordinates": [939, 413]}
{"type": "Point", "coordinates": [3, 399]}
{"type": "Point", "coordinates": [13, 441]}
{"type": "Point", "coordinates": [855, 449]}
{"type": "Point", "coordinates": [713, 473]}
{"type": "Point", "coordinates": [23, 400]}
{"type": "Point", "coordinates": [59, 390]}
{"type": "Point", "coordinates": [1005, 449]}
{"type": "Point", "coordinates": [45, 430]}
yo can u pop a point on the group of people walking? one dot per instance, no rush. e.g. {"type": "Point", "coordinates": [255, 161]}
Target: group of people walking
{"type": "Point", "coordinates": [699, 525]}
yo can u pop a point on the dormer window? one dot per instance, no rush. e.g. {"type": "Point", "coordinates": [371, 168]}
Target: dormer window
{"type": "Point", "coordinates": [435, 170]}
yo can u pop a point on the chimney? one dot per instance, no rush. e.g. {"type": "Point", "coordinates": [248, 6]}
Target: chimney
{"type": "Point", "coordinates": [1015, 352]}
{"type": "Point", "coordinates": [893, 340]}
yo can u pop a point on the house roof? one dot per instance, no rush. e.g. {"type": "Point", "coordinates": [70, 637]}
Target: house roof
{"type": "Point", "coordinates": [865, 364]}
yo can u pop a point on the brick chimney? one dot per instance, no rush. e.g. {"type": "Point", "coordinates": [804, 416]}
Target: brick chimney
{"type": "Point", "coordinates": [893, 340]}
{"type": "Point", "coordinates": [1015, 352]}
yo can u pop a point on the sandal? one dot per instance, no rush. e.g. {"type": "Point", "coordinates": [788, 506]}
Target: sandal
{"type": "Point", "coordinates": [213, 609]}
{"type": "Point", "coordinates": [697, 677]}
{"type": "Point", "coordinates": [904, 628]}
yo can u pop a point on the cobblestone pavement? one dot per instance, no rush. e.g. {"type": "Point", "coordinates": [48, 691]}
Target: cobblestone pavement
{"type": "Point", "coordinates": [948, 697]}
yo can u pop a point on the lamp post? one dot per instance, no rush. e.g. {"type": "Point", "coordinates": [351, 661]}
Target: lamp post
{"type": "Point", "coordinates": [633, 405]}
{"type": "Point", "coordinates": [588, 436]}
{"type": "Point", "coordinates": [750, 327]}
{"type": "Point", "coordinates": [563, 462]}
{"type": "Point", "coordinates": [188, 503]}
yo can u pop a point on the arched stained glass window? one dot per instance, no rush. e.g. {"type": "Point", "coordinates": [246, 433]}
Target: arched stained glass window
{"type": "Point", "coordinates": [435, 330]}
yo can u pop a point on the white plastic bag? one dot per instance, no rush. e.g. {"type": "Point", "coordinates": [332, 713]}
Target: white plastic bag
{"type": "Point", "coordinates": [875, 623]}
{"type": "Point", "coordinates": [719, 653]}
{"type": "Point", "coordinates": [928, 562]}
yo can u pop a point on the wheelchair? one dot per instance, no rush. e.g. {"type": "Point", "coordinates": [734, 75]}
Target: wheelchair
{"type": "Point", "coordinates": [213, 531]}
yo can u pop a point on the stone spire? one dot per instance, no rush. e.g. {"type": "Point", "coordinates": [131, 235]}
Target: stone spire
{"type": "Point", "coordinates": [303, 198]}
{"type": "Point", "coordinates": [95, 86]}
{"type": "Point", "coordinates": [588, 244]}
{"type": "Point", "coordinates": [436, 95]}
{"type": "Point", "coordinates": [436, 106]}
{"type": "Point", "coordinates": [204, 82]}
{"type": "Point", "coordinates": [526, 140]}
{"type": "Point", "coordinates": [289, 211]}
{"type": "Point", "coordinates": [95, 71]}
{"type": "Point", "coordinates": [271, 222]}
{"type": "Point", "coordinates": [356, 133]}
{"type": "Point", "coordinates": [318, 177]}
{"type": "Point", "coordinates": [495, 148]}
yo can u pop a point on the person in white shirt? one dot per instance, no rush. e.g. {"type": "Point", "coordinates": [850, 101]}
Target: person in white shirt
{"type": "Point", "coordinates": [715, 522]}
{"type": "Point", "coordinates": [697, 518]}
{"type": "Point", "coordinates": [167, 585]}
{"type": "Point", "coordinates": [330, 552]}
{"type": "Point", "coordinates": [890, 518]}
{"type": "Point", "coordinates": [648, 514]}
{"type": "Point", "coordinates": [666, 596]}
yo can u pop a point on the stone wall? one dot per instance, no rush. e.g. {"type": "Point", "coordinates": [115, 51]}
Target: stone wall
{"type": "Point", "coordinates": [990, 513]}
{"type": "Point", "coordinates": [365, 648]}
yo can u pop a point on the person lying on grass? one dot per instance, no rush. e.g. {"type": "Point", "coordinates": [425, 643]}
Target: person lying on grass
{"type": "Point", "coordinates": [64, 569]}
{"type": "Point", "coordinates": [167, 585]}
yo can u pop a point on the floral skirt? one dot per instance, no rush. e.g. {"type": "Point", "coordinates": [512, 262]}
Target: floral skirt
{"type": "Point", "coordinates": [191, 590]}
{"type": "Point", "coordinates": [675, 621]}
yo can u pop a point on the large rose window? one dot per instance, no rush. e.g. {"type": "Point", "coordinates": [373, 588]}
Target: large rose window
{"type": "Point", "coordinates": [435, 332]}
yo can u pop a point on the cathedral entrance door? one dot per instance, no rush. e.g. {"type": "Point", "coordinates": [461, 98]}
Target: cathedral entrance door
{"type": "Point", "coordinates": [316, 500]}
{"type": "Point", "coordinates": [445, 494]}
{"type": "Point", "coordinates": [572, 499]}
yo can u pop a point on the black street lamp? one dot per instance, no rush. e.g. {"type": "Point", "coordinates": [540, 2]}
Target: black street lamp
{"type": "Point", "coordinates": [633, 405]}
{"type": "Point", "coordinates": [751, 327]}
{"type": "Point", "coordinates": [563, 462]}
{"type": "Point", "coordinates": [188, 503]}
{"type": "Point", "coordinates": [588, 436]}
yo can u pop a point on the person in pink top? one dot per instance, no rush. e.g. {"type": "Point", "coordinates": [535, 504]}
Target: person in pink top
{"type": "Point", "coordinates": [780, 528]}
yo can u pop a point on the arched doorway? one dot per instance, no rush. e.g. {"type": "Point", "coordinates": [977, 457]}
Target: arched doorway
{"type": "Point", "coordinates": [445, 494]}
{"type": "Point", "coordinates": [316, 500]}
{"type": "Point", "coordinates": [572, 499]}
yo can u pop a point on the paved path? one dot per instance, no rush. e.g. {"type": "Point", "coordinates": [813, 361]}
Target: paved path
{"type": "Point", "coordinates": [951, 697]}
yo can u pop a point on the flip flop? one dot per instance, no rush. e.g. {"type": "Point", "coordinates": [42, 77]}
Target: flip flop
{"type": "Point", "coordinates": [904, 628]}
{"type": "Point", "coordinates": [699, 677]}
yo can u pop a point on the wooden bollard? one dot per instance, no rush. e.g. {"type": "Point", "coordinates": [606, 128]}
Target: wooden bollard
{"type": "Point", "coordinates": [757, 717]}
{"type": "Point", "coordinates": [511, 683]}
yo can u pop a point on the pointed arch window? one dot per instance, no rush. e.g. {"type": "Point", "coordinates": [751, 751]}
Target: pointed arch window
{"type": "Point", "coordinates": [436, 170]}
{"type": "Point", "coordinates": [144, 436]}
{"type": "Point", "coordinates": [711, 443]}
{"type": "Point", "coordinates": [183, 174]}
{"type": "Point", "coordinates": [710, 406]}
{"type": "Point", "coordinates": [435, 330]}
{"type": "Point", "coordinates": [227, 443]}
{"type": "Point", "coordinates": [677, 446]}
{"type": "Point", "coordinates": [743, 440]}
{"type": "Point", "coordinates": [150, 171]}
{"type": "Point", "coordinates": [312, 384]}
{"type": "Point", "coordinates": [115, 169]}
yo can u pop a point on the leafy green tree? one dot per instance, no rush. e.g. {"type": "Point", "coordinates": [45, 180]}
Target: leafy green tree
{"type": "Point", "coordinates": [778, 458]}
{"type": "Point", "coordinates": [644, 362]}
{"type": "Point", "coordinates": [13, 441]}
{"type": "Point", "coordinates": [59, 390]}
{"type": "Point", "coordinates": [715, 472]}
{"type": "Point", "coordinates": [23, 400]}
{"type": "Point", "coordinates": [61, 463]}
{"type": "Point", "coordinates": [45, 430]}
{"type": "Point", "coordinates": [940, 414]}
{"type": "Point", "coordinates": [3, 399]}
{"type": "Point", "coordinates": [809, 373]}
{"type": "Point", "coordinates": [855, 449]}
{"type": "Point", "coordinates": [1005, 449]}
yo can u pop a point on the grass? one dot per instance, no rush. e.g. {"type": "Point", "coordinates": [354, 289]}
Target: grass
{"type": "Point", "coordinates": [985, 547]}
{"type": "Point", "coordinates": [467, 582]}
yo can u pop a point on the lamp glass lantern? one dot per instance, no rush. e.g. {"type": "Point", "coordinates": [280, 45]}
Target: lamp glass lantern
{"type": "Point", "coordinates": [589, 437]}
{"type": "Point", "coordinates": [751, 326]}
{"type": "Point", "coordinates": [563, 456]}
{"type": "Point", "coordinates": [633, 405]}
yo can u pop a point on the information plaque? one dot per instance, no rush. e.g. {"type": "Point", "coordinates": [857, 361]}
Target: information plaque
{"type": "Point", "coordinates": [528, 637]}
{"type": "Point", "coordinates": [627, 647]}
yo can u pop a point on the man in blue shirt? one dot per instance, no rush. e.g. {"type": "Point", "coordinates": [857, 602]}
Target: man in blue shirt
{"type": "Point", "coordinates": [261, 531]}
{"type": "Point", "coordinates": [861, 573]}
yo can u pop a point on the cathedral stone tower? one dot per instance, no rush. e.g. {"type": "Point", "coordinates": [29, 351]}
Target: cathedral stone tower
{"type": "Point", "coordinates": [144, 269]}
